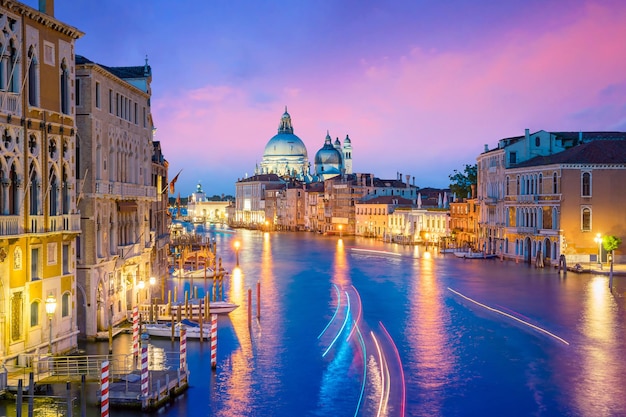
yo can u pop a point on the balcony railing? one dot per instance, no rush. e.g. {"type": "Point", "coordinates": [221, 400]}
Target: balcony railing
{"type": "Point", "coordinates": [10, 103]}
{"type": "Point", "coordinates": [10, 226]}
{"type": "Point", "coordinates": [527, 198]}
{"type": "Point", "coordinates": [123, 190]}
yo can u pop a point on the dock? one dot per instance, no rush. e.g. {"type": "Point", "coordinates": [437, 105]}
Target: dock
{"type": "Point", "coordinates": [124, 378]}
{"type": "Point", "coordinates": [163, 386]}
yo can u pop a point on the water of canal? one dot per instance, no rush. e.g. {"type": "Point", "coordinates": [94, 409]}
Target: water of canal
{"type": "Point", "coordinates": [357, 327]}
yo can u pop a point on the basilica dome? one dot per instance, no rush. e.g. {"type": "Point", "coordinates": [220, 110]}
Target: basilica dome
{"type": "Point", "coordinates": [285, 154]}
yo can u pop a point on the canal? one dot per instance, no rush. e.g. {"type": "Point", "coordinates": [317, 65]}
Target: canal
{"type": "Point", "coordinates": [358, 327]}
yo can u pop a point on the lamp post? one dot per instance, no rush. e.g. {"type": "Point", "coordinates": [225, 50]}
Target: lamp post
{"type": "Point", "coordinates": [340, 230]}
{"type": "Point", "coordinates": [51, 306]}
{"type": "Point", "coordinates": [598, 240]}
{"type": "Point", "coordinates": [237, 244]}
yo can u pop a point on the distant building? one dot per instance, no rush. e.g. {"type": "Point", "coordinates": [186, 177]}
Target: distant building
{"type": "Point", "coordinates": [202, 210]}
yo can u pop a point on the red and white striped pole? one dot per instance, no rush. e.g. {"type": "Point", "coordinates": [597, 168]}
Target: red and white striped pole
{"type": "Point", "coordinates": [135, 332]}
{"type": "Point", "coordinates": [104, 389]}
{"type": "Point", "coordinates": [183, 348]}
{"type": "Point", "coordinates": [144, 365]}
{"type": "Point", "coordinates": [214, 341]}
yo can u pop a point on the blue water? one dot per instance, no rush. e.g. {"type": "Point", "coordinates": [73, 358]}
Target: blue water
{"type": "Point", "coordinates": [426, 334]}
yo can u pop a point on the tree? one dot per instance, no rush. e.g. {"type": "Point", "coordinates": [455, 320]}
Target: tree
{"type": "Point", "coordinates": [610, 243]}
{"type": "Point", "coordinates": [461, 182]}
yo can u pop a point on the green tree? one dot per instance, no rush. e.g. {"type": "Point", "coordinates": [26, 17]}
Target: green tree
{"type": "Point", "coordinates": [461, 182]}
{"type": "Point", "coordinates": [610, 243]}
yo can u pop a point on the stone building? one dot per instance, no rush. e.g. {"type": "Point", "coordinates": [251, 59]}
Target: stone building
{"type": "Point", "coordinates": [117, 192]}
{"type": "Point", "coordinates": [523, 198]}
{"type": "Point", "coordinates": [39, 221]}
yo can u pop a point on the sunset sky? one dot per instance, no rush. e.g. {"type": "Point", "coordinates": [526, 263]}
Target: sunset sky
{"type": "Point", "coordinates": [419, 85]}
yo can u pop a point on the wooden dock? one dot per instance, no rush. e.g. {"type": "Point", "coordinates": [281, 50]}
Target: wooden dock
{"type": "Point", "coordinates": [163, 386]}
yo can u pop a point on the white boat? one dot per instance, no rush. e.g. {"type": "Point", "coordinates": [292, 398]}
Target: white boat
{"type": "Point", "coordinates": [196, 273]}
{"type": "Point", "coordinates": [165, 329]}
{"type": "Point", "coordinates": [216, 307]}
{"type": "Point", "coordinates": [474, 255]}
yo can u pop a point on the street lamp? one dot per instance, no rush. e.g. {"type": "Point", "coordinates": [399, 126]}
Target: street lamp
{"type": "Point", "coordinates": [141, 285]}
{"type": "Point", "coordinates": [51, 306]}
{"type": "Point", "coordinates": [237, 244]}
{"type": "Point", "coordinates": [340, 229]}
{"type": "Point", "coordinates": [598, 240]}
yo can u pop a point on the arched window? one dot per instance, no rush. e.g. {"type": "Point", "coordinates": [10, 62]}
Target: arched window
{"type": "Point", "coordinates": [14, 186]}
{"type": "Point", "coordinates": [65, 197]}
{"type": "Point", "coordinates": [33, 78]}
{"type": "Point", "coordinates": [508, 189]}
{"type": "Point", "coordinates": [65, 305]}
{"type": "Point", "coordinates": [586, 184]}
{"type": "Point", "coordinates": [540, 188]}
{"type": "Point", "coordinates": [53, 193]}
{"type": "Point", "coordinates": [34, 313]}
{"type": "Point", "coordinates": [33, 191]}
{"type": "Point", "coordinates": [586, 219]}
{"type": "Point", "coordinates": [65, 88]}
{"type": "Point", "coordinates": [554, 184]}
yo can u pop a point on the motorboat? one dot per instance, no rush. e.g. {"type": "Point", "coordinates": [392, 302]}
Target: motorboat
{"type": "Point", "coordinates": [165, 329]}
{"type": "Point", "coordinates": [215, 307]}
{"type": "Point", "coordinates": [474, 255]}
{"type": "Point", "coordinates": [193, 273]}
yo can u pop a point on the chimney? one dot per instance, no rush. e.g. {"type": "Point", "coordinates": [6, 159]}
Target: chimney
{"type": "Point", "coordinates": [527, 134]}
{"type": "Point", "coordinates": [486, 147]}
{"type": "Point", "coordinates": [408, 178]}
{"type": "Point", "coordinates": [47, 7]}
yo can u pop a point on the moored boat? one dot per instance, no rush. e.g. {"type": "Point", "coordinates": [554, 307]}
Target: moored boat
{"type": "Point", "coordinates": [165, 329]}
{"type": "Point", "coordinates": [195, 273]}
{"type": "Point", "coordinates": [474, 255]}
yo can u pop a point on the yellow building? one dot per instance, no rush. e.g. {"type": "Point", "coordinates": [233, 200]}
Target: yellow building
{"type": "Point", "coordinates": [39, 222]}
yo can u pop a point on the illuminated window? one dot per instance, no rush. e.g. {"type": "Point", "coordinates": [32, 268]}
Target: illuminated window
{"type": "Point", "coordinates": [586, 219]}
{"type": "Point", "coordinates": [34, 314]}
{"type": "Point", "coordinates": [586, 184]}
{"type": "Point", "coordinates": [65, 305]}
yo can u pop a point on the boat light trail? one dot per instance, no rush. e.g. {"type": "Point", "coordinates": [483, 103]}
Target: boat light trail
{"type": "Point", "coordinates": [384, 382]}
{"type": "Point", "coordinates": [362, 343]}
{"type": "Point", "coordinates": [336, 310]}
{"type": "Point", "coordinates": [358, 318]}
{"type": "Point", "coordinates": [342, 326]}
{"type": "Point", "coordinates": [511, 317]}
{"type": "Point", "coordinates": [376, 252]}
{"type": "Point", "coordinates": [395, 348]}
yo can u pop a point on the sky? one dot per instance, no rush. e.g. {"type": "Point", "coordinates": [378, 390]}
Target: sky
{"type": "Point", "coordinates": [420, 86]}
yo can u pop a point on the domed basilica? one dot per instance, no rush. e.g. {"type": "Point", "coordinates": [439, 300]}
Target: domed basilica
{"type": "Point", "coordinates": [286, 155]}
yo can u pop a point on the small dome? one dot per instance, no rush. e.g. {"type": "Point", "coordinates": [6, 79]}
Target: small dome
{"type": "Point", "coordinates": [328, 156]}
{"type": "Point", "coordinates": [328, 160]}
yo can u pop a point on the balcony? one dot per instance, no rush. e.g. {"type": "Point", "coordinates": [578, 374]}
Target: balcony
{"type": "Point", "coordinates": [10, 226]}
{"type": "Point", "coordinates": [527, 198]}
{"type": "Point", "coordinates": [125, 191]}
{"type": "Point", "coordinates": [10, 103]}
